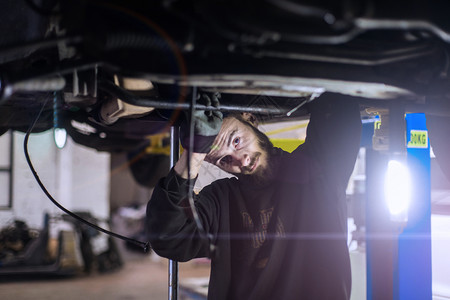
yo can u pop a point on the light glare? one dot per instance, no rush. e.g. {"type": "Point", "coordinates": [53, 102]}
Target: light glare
{"type": "Point", "coordinates": [60, 136]}
{"type": "Point", "coordinates": [397, 188]}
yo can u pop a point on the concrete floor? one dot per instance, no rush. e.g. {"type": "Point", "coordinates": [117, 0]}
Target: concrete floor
{"type": "Point", "coordinates": [141, 277]}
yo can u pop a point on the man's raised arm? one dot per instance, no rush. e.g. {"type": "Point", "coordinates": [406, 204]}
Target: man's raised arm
{"type": "Point", "coordinates": [334, 133]}
{"type": "Point", "coordinates": [172, 231]}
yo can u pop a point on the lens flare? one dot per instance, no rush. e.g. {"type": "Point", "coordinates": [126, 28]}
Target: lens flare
{"type": "Point", "coordinates": [397, 188]}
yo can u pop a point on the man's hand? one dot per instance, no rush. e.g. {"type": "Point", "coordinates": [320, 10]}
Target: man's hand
{"type": "Point", "coordinates": [207, 125]}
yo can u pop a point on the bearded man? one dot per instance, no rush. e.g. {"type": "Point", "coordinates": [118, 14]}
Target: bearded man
{"type": "Point", "coordinates": [278, 230]}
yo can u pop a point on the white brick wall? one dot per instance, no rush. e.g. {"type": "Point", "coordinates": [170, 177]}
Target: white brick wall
{"type": "Point", "coordinates": [77, 177]}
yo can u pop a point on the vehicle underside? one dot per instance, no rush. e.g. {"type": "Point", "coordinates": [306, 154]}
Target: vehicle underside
{"type": "Point", "coordinates": [114, 72]}
{"type": "Point", "coordinates": [117, 75]}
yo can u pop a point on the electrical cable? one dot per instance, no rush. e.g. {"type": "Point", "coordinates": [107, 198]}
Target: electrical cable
{"type": "Point", "coordinates": [145, 245]}
{"type": "Point", "coordinates": [194, 212]}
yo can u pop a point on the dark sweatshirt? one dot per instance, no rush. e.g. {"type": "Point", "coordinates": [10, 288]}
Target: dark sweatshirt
{"type": "Point", "coordinates": [284, 239]}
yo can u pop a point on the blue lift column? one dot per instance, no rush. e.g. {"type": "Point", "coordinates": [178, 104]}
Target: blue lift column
{"type": "Point", "coordinates": [413, 266]}
{"type": "Point", "coordinates": [398, 253]}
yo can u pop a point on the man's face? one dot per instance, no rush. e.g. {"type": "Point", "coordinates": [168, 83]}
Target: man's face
{"type": "Point", "coordinates": [240, 149]}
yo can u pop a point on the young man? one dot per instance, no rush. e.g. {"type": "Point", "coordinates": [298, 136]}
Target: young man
{"type": "Point", "coordinates": [279, 229]}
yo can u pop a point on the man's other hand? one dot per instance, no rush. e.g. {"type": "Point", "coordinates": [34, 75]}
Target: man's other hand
{"type": "Point", "coordinates": [207, 124]}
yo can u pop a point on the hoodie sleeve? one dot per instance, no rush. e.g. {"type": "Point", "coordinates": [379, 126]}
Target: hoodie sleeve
{"type": "Point", "coordinates": [333, 136]}
{"type": "Point", "coordinates": [172, 231]}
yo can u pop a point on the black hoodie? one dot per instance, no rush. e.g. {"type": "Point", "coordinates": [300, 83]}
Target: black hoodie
{"type": "Point", "coordinates": [281, 239]}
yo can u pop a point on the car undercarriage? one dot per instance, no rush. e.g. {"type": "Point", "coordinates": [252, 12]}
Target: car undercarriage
{"type": "Point", "coordinates": [114, 72]}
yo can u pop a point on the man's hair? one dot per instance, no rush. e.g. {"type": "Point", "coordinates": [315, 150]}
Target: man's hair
{"type": "Point", "coordinates": [263, 140]}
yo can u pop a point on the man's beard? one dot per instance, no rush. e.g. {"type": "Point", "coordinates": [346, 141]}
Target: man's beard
{"type": "Point", "coordinates": [253, 160]}
{"type": "Point", "coordinates": [265, 170]}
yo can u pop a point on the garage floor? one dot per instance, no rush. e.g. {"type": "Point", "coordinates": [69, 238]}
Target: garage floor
{"type": "Point", "coordinates": [141, 277]}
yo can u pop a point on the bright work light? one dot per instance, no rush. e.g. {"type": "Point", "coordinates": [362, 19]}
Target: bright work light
{"type": "Point", "coordinates": [60, 136]}
{"type": "Point", "coordinates": [397, 190]}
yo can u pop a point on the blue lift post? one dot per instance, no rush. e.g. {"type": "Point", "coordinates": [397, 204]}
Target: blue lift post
{"type": "Point", "coordinates": [399, 255]}
{"type": "Point", "coordinates": [413, 267]}
{"type": "Point", "coordinates": [379, 230]}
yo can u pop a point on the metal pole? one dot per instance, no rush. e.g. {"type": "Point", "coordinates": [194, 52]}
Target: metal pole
{"type": "Point", "coordinates": [130, 98]}
{"type": "Point", "coordinates": [173, 265]}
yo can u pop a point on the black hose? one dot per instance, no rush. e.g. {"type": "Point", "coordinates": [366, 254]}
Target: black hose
{"type": "Point", "coordinates": [145, 245]}
{"type": "Point", "coordinates": [193, 209]}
